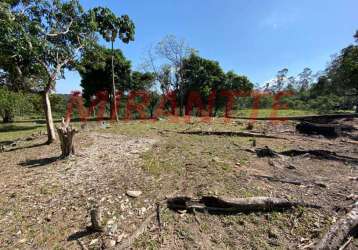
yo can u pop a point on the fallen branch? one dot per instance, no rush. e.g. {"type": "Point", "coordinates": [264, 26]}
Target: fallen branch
{"type": "Point", "coordinates": [289, 181]}
{"type": "Point", "coordinates": [230, 206]}
{"type": "Point", "coordinates": [320, 154]}
{"type": "Point", "coordinates": [128, 242]}
{"type": "Point", "coordinates": [232, 133]}
{"type": "Point", "coordinates": [158, 218]}
{"type": "Point", "coordinates": [346, 244]}
{"type": "Point", "coordinates": [340, 231]}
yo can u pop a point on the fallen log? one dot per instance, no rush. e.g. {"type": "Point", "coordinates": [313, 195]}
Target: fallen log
{"type": "Point", "coordinates": [327, 130]}
{"type": "Point", "coordinates": [213, 205]}
{"type": "Point", "coordinates": [231, 206]}
{"type": "Point", "coordinates": [340, 231]}
{"type": "Point", "coordinates": [320, 154]}
{"type": "Point", "coordinates": [232, 133]}
{"type": "Point", "coordinates": [289, 181]}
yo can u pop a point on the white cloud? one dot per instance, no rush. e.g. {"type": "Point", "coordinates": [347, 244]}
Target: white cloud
{"type": "Point", "coordinates": [279, 19]}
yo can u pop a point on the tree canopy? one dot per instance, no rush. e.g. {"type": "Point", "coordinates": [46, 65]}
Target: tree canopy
{"type": "Point", "coordinates": [96, 71]}
{"type": "Point", "coordinates": [41, 39]}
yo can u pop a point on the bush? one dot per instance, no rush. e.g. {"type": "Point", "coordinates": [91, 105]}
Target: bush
{"type": "Point", "coordinates": [12, 103]}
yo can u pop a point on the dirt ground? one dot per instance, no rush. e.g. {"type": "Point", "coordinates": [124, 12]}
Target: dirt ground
{"type": "Point", "coordinates": [45, 201]}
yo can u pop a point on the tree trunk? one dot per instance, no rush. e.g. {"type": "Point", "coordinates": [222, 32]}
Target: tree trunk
{"type": "Point", "coordinates": [114, 101]}
{"type": "Point", "coordinates": [181, 103]}
{"type": "Point", "coordinates": [49, 120]}
{"type": "Point", "coordinates": [66, 134]}
{"type": "Point", "coordinates": [8, 117]}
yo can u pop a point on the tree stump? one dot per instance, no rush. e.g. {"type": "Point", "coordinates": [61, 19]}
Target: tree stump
{"type": "Point", "coordinates": [96, 219]}
{"type": "Point", "coordinates": [66, 134]}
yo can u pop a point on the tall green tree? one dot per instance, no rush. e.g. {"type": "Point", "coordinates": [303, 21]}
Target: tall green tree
{"type": "Point", "coordinates": [305, 79]}
{"type": "Point", "coordinates": [141, 81]}
{"type": "Point", "coordinates": [204, 75]}
{"type": "Point", "coordinates": [47, 37]}
{"type": "Point", "coordinates": [237, 82]}
{"type": "Point", "coordinates": [342, 73]}
{"type": "Point", "coordinates": [112, 27]}
{"type": "Point", "coordinates": [96, 68]}
{"type": "Point", "coordinates": [50, 35]}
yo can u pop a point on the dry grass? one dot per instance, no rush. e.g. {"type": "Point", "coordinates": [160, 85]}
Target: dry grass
{"type": "Point", "coordinates": [45, 201]}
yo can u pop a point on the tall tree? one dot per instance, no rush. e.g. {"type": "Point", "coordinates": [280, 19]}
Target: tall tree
{"type": "Point", "coordinates": [281, 79]}
{"type": "Point", "coordinates": [200, 74]}
{"type": "Point", "coordinates": [305, 79]}
{"type": "Point", "coordinates": [51, 34]}
{"type": "Point", "coordinates": [141, 81]}
{"type": "Point", "coordinates": [96, 69]}
{"type": "Point", "coordinates": [342, 74]}
{"type": "Point", "coordinates": [237, 82]}
{"type": "Point", "coordinates": [173, 52]}
{"type": "Point", "coordinates": [110, 27]}
{"type": "Point", "coordinates": [204, 75]}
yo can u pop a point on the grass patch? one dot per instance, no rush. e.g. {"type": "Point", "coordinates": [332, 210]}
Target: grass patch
{"type": "Point", "coordinates": [16, 130]}
{"type": "Point", "coordinates": [264, 113]}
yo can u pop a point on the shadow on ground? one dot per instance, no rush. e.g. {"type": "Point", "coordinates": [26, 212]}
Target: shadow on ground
{"type": "Point", "coordinates": [39, 162]}
{"type": "Point", "coordinates": [78, 235]}
{"type": "Point", "coordinates": [27, 147]}
{"type": "Point", "coordinates": [15, 128]}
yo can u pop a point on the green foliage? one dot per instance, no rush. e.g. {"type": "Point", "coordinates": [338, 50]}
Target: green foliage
{"type": "Point", "coordinates": [237, 83]}
{"type": "Point", "coordinates": [202, 75]}
{"type": "Point", "coordinates": [343, 71]}
{"type": "Point", "coordinates": [96, 71]}
{"type": "Point", "coordinates": [45, 37]}
{"type": "Point", "coordinates": [110, 26]}
{"type": "Point", "coordinates": [342, 74]}
{"type": "Point", "coordinates": [326, 104]}
{"type": "Point", "coordinates": [141, 81]}
{"type": "Point", "coordinates": [11, 104]}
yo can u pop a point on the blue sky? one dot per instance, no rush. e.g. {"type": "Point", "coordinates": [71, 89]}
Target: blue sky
{"type": "Point", "coordinates": [252, 37]}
